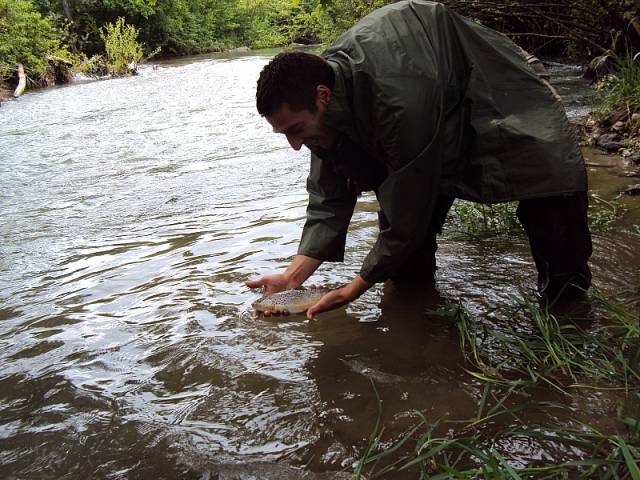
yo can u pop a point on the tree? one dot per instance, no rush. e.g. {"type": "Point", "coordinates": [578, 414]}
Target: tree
{"type": "Point", "coordinates": [27, 38]}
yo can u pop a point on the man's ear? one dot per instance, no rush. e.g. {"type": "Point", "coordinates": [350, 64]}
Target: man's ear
{"type": "Point", "coordinates": [323, 95]}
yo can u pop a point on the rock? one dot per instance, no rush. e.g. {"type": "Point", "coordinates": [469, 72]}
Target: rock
{"type": "Point", "coordinates": [632, 190]}
{"type": "Point", "coordinates": [618, 126]}
{"type": "Point", "coordinates": [634, 159]}
{"type": "Point", "coordinates": [600, 66]}
{"type": "Point", "coordinates": [635, 118]}
{"type": "Point", "coordinates": [610, 142]}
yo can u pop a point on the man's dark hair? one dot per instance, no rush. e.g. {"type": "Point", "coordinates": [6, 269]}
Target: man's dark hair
{"type": "Point", "coordinates": [292, 78]}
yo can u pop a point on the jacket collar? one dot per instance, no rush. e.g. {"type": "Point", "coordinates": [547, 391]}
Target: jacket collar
{"type": "Point", "coordinates": [339, 115]}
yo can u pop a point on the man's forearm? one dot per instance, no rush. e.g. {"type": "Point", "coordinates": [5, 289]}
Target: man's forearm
{"type": "Point", "coordinates": [301, 268]}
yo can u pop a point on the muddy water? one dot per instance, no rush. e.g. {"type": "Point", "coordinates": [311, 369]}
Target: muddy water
{"type": "Point", "coordinates": [133, 209]}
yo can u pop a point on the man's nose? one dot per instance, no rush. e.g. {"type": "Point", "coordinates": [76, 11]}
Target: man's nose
{"type": "Point", "coordinates": [295, 142]}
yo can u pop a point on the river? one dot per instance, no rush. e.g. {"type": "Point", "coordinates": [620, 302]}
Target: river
{"type": "Point", "coordinates": [132, 211]}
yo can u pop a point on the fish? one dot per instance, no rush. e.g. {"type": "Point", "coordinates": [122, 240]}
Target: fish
{"type": "Point", "coordinates": [295, 301]}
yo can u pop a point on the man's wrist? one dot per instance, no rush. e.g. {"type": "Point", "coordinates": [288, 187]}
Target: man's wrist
{"type": "Point", "coordinates": [357, 287]}
{"type": "Point", "coordinates": [300, 269]}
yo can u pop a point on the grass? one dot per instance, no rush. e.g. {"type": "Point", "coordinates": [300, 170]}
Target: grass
{"type": "Point", "coordinates": [477, 448]}
{"type": "Point", "coordinates": [603, 214]}
{"type": "Point", "coordinates": [558, 355]}
{"type": "Point", "coordinates": [475, 220]}
{"type": "Point", "coordinates": [620, 92]}
{"type": "Point", "coordinates": [472, 221]}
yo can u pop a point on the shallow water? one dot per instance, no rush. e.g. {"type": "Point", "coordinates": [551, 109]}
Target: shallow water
{"type": "Point", "coordinates": [132, 212]}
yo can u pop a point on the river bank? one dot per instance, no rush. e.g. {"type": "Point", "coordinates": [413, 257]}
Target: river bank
{"type": "Point", "coordinates": [617, 139]}
{"type": "Point", "coordinates": [5, 92]}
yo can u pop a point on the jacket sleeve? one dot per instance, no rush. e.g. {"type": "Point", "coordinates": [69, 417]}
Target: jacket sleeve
{"type": "Point", "coordinates": [409, 117]}
{"type": "Point", "coordinates": [329, 212]}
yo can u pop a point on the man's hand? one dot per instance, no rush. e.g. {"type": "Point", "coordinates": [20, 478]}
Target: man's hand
{"type": "Point", "coordinates": [271, 283]}
{"type": "Point", "coordinates": [300, 269]}
{"type": "Point", "coordinates": [339, 297]}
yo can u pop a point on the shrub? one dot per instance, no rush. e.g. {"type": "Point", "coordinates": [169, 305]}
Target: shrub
{"type": "Point", "coordinates": [122, 46]}
{"type": "Point", "coordinates": [28, 38]}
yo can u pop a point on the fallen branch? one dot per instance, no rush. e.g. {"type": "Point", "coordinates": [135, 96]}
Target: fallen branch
{"type": "Point", "coordinates": [54, 59]}
{"type": "Point", "coordinates": [22, 81]}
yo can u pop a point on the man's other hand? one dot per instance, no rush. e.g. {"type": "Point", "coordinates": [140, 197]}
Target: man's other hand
{"type": "Point", "coordinates": [339, 297]}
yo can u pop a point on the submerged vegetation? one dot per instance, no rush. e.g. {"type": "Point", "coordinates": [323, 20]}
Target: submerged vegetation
{"type": "Point", "coordinates": [530, 351]}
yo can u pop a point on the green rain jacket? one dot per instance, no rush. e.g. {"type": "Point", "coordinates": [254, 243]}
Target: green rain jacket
{"type": "Point", "coordinates": [426, 102]}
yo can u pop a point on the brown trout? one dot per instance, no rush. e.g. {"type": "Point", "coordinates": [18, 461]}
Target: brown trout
{"type": "Point", "coordinates": [294, 301]}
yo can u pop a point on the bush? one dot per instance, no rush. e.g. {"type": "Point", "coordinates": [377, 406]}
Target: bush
{"type": "Point", "coordinates": [28, 38]}
{"type": "Point", "coordinates": [122, 47]}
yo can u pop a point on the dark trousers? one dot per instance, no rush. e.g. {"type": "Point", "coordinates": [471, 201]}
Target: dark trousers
{"type": "Point", "coordinates": [558, 234]}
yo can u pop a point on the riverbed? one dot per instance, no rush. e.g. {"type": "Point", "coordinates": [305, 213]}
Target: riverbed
{"type": "Point", "coordinates": [133, 210]}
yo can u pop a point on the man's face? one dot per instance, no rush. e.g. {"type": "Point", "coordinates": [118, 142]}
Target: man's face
{"type": "Point", "coordinates": [304, 127]}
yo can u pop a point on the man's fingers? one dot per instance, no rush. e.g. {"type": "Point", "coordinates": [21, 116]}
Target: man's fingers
{"type": "Point", "coordinates": [259, 282]}
{"type": "Point", "coordinates": [318, 307]}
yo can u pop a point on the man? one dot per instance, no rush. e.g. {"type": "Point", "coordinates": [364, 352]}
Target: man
{"type": "Point", "coordinates": [423, 106]}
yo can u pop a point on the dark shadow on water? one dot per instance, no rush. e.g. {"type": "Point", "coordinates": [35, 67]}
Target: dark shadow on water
{"type": "Point", "coordinates": [410, 358]}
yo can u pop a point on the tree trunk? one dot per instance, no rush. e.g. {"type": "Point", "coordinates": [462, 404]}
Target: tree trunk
{"type": "Point", "coordinates": [66, 8]}
{"type": "Point", "coordinates": [22, 81]}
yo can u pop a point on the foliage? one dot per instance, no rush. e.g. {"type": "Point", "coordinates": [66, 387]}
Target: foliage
{"type": "Point", "coordinates": [581, 27]}
{"type": "Point", "coordinates": [336, 17]}
{"type": "Point", "coordinates": [475, 220]}
{"type": "Point", "coordinates": [192, 26]}
{"type": "Point", "coordinates": [620, 92]}
{"type": "Point", "coordinates": [122, 47]}
{"type": "Point", "coordinates": [603, 214]}
{"type": "Point", "coordinates": [470, 220]}
{"type": "Point", "coordinates": [187, 27]}
{"type": "Point", "coordinates": [264, 23]}
{"type": "Point", "coordinates": [26, 37]}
